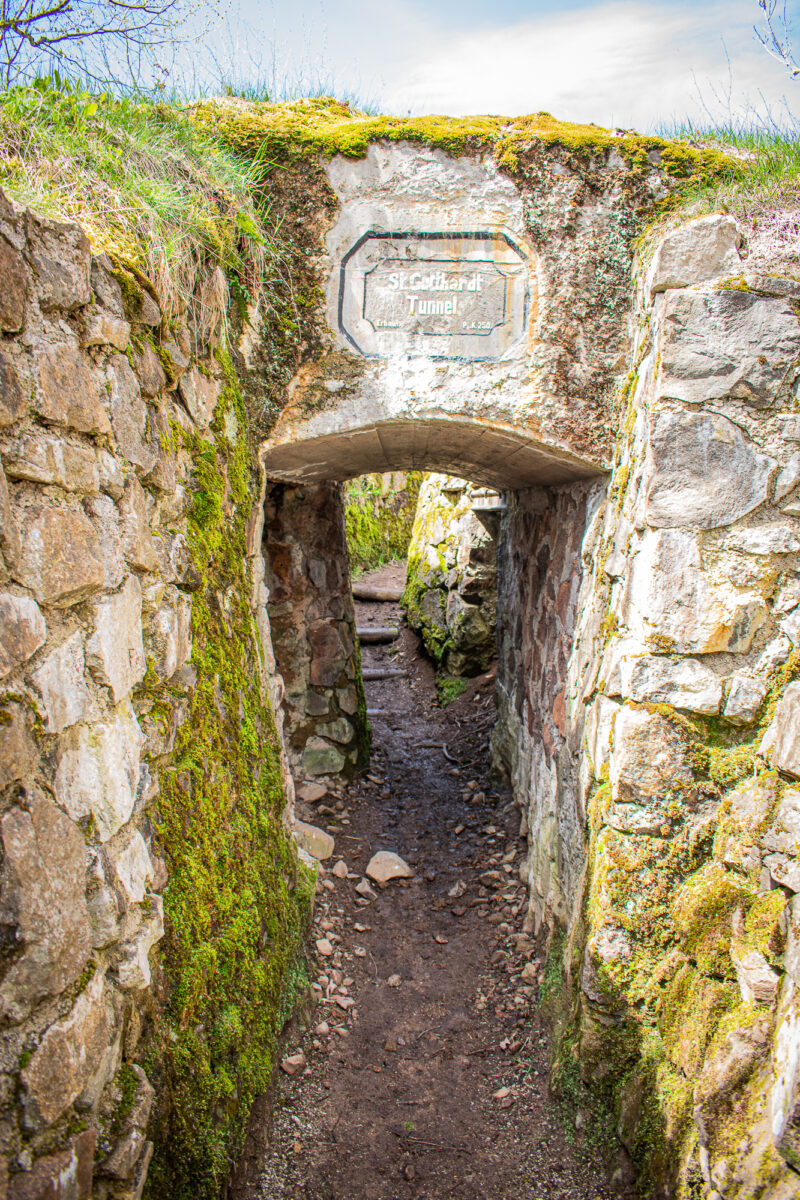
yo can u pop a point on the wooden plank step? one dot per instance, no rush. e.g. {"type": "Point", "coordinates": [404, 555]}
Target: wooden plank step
{"type": "Point", "coordinates": [371, 674]}
{"type": "Point", "coordinates": [378, 633]}
{"type": "Point", "coordinates": [380, 595]}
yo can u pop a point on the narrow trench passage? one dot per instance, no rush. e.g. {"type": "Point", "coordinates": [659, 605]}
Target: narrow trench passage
{"type": "Point", "coordinates": [427, 1060]}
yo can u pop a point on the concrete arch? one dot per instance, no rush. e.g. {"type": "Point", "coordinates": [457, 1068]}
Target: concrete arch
{"type": "Point", "coordinates": [497, 456]}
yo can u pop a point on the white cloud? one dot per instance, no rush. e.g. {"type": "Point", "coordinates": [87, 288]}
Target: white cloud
{"type": "Point", "coordinates": [625, 63]}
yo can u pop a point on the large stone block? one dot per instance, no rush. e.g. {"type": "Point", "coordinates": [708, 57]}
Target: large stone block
{"type": "Point", "coordinates": [672, 595]}
{"type": "Point", "coordinates": [22, 631]}
{"type": "Point", "coordinates": [62, 260]}
{"type": "Point", "coordinates": [42, 904]}
{"type": "Point", "coordinates": [321, 758]}
{"type": "Point", "coordinates": [129, 414]}
{"type": "Point", "coordinates": [66, 1175]}
{"type": "Point", "coordinates": [649, 764]}
{"type": "Point", "coordinates": [115, 651]}
{"type": "Point", "coordinates": [60, 681]}
{"type": "Point", "coordinates": [98, 771]}
{"type": "Point", "coordinates": [133, 865]}
{"type": "Point", "coordinates": [60, 558]}
{"type": "Point", "coordinates": [699, 250]}
{"type": "Point", "coordinates": [170, 634]}
{"type": "Point", "coordinates": [105, 518]}
{"type": "Point", "coordinates": [66, 391]}
{"type": "Point", "coordinates": [41, 458]}
{"type": "Point", "coordinates": [725, 343]}
{"type": "Point", "coordinates": [66, 1058]}
{"type": "Point", "coordinates": [745, 696]}
{"type": "Point", "coordinates": [781, 742]}
{"type": "Point", "coordinates": [18, 753]}
{"type": "Point", "coordinates": [138, 544]}
{"type": "Point", "coordinates": [9, 534]}
{"type": "Point", "coordinates": [13, 397]}
{"type": "Point", "coordinates": [13, 288]}
{"type": "Point", "coordinates": [199, 394]}
{"type": "Point", "coordinates": [133, 969]}
{"type": "Point", "coordinates": [681, 682]}
{"type": "Point", "coordinates": [702, 472]}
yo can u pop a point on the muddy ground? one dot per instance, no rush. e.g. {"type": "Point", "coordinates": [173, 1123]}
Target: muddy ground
{"type": "Point", "coordinates": [426, 1073]}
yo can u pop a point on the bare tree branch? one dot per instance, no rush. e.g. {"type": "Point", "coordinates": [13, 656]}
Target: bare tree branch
{"type": "Point", "coordinates": [777, 40]}
{"type": "Point", "coordinates": [108, 42]}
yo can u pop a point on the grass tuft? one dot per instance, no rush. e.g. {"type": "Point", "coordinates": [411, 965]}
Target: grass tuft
{"type": "Point", "coordinates": [145, 183]}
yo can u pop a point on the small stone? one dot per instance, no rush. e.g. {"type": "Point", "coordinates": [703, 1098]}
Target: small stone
{"type": "Point", "coordinates": [440, 939]}
{"type": "Point", "coordinates": [22, 631]}
{"type": "Point", "coordinates": [344, 1002]}
{"type": "Point", "coordinates": [385, 866]}
{"type": "Point", "coordinates": [394, 981]}
{"type": "Point", "coordinates": [315, 841]}
{"type": "Point", "coordinates": [501, 1093]}
{"type": "Point", "coordinates": [294, 1063]}
{"type": "Point", "coordinates": [365, 890]}
{"type": "Point", "coordinates": [311, 792]}
{"type": "Point", "coordinates": [746, 694]}
{"type": "Point", "coordinates": [360, 952]}
{"type": "Point", "coordinates": [340, 869]}
{"type": "Point", "coordinates": [323, 1029]}
{"type": "Point", "coordinates": [758, 983]}
{"type": "Point", "coordinates": [324, 947]}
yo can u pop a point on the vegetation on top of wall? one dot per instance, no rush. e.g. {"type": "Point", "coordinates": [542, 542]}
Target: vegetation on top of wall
{"type": "Point", "coordinates": [277, 134]}
{"type": "Point", "coordinates": [379, 517]}
{"type": "Point", "coordinates": [238, 903]}
{"type": "Point", "coordinates": [144, 182]}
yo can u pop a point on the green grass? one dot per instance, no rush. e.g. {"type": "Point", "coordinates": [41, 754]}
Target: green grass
{"type": "Point", "coordinates": [144, 182]}
{"type": "Point", "coordinates": [768, 175]}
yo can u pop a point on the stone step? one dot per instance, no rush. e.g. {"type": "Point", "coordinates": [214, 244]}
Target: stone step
{"type": "Point", "coordinates": [378, 633]}
{"type": "Point", "coordinates": [371, 674]}
{"type": "Point", "coordinates": [380, 595]}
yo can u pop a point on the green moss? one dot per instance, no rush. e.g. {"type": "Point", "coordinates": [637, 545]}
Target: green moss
{"type": "Point", "coordinates": [379, 522]}
{"type": "Point", "coordinates": [553, 978]}
{"type": "Point", "coordinates": [238, 903]}
{"type": "Point", "coordinates": [449, 688]}
{"type": "Point", "coordinates": [276, 134]}
{"type": "Point", "coordinates": [702, 911]}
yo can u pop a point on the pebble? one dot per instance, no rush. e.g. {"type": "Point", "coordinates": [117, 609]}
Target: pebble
{"type": "Point", "coordinates": [293, 1063]}
{"type": "Point", "coordinates": [394, 980]}
{"type": "Point", "coordinates": [323, 1029]}
{"type": "Point", "coordinates": [366, 891]}
{"type": "Point", "coordinates": [340, 870]}
{"type": "Point", "coordinates": [311, 792]}
{"type": "Point", "coordinates": [385, 866]}
{"type": "Point", "coordinates": [438, 937]}
{"type": "Point", "coordinates": [360, 952]}
{"type": "Point", "coordinates": [324, 947]}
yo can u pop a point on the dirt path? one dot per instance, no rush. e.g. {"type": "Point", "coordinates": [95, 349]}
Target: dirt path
{"type": "Point", "coordinates": [427, 1069]}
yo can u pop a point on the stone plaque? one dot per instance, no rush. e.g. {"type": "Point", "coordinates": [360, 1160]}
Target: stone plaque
{"type": "Point", "coordinates": [444, 295]}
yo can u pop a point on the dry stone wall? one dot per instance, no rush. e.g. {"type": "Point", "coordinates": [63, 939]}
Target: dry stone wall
{"type": "Point", "coordinates": [313, 629]}
{"type": "Point", "coordinates": [451, 587]}
{"type": "Point", "coordinates": [138, 750]}
{"type": "Point", "coordinates": [658, 770]}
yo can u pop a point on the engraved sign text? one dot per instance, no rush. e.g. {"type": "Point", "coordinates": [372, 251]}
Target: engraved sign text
{"type": "Point", "coordinates": [435, 296]}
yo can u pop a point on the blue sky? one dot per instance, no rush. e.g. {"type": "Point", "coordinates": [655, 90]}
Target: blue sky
{"type": "Point", "coordinates": [631, 63]}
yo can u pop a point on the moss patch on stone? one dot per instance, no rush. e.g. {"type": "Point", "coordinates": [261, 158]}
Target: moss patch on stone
{"type": "Point", "coordinates": [379, 517]}
{"type": "Point", "coordinates": [277, 134]}
{"type": "Point", "coordinates": [238, 904]}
